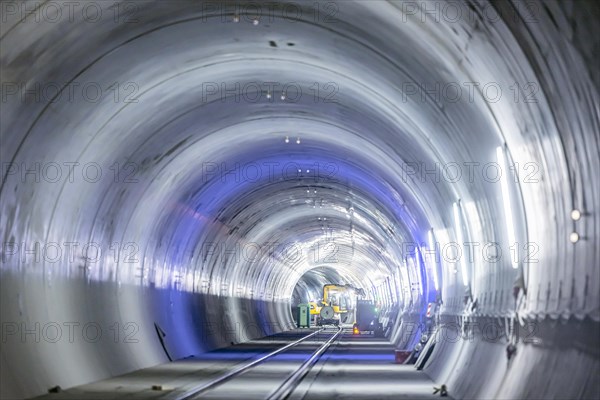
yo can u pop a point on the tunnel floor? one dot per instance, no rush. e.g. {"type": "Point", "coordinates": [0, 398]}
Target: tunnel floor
{"type": "Point", "coordinates": [356, 367]}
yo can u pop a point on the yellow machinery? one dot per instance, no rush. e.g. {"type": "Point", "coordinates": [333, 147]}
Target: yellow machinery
{"type": "Point", "coordinates": [315, 307]}
{"type": "Point", "coordinates": [338, 303]}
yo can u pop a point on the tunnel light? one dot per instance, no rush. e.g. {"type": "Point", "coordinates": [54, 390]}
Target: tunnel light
{"type": "Point", "coordinates": [419, 265]}
{"type": "Point", "coordinates": [297, 140]}
{"type": "Point", "coordinates": [575, 215]}
{"type": "Point", "coordinates": [432, 248]}
{"type": "Point", "coordinates": [459, 237]}
{"type": "Point", "coordinates": [506, 199]}
{"type": "Point", "coordinates": [574, 237]}
{"type": "Point", "coordinates": [287, 139]}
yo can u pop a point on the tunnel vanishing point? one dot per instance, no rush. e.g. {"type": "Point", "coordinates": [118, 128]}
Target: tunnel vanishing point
{"type": "Point", "coordinates": [177, 176]}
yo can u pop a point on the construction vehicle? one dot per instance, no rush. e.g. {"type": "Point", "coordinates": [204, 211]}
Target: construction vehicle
{"type": "Point", "coordinates": [367, 318]}
{"type": "Point", "coordinates": [337, 305]}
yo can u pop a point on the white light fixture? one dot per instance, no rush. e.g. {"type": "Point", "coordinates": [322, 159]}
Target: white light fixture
{"type": "Point", "coordinates": [459, 237]}
{"type": "Point", "coordinates": [287, 139]}
{"type": "Point", "coordinates": [510, 228]}
{"type": "Point", "coordinates": [574, 237]}
{"type": "Point", "coordinates": [434, 263]}
{"type": "Point", "coordinates": [575, 215]}
{"type": "Point", "coordinates": [297, 140]}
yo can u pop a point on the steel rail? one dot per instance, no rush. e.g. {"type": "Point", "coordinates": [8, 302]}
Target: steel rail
{"type": "Point", "coordinates": [189, 394]}
{"type": "Point", "coordinates": [288, 386]}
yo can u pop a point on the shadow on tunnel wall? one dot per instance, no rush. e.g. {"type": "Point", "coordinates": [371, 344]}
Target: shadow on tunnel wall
{"type": "Point", "coordinates": [115, 330]}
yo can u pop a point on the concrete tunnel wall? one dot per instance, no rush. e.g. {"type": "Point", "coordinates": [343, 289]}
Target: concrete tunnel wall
{"type": "Point", "coordinates": [168, 223]}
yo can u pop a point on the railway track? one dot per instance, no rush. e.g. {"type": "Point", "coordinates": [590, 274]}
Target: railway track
{"type": "Point", "coordinates": [322, 340]}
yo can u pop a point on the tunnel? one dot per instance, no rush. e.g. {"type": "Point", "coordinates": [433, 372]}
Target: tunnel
{"type": "Point", "coordinates": [178, 176]}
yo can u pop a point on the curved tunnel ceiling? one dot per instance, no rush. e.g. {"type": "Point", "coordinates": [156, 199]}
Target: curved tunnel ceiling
{"type": "Point", "coordinates": [227, 155]}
